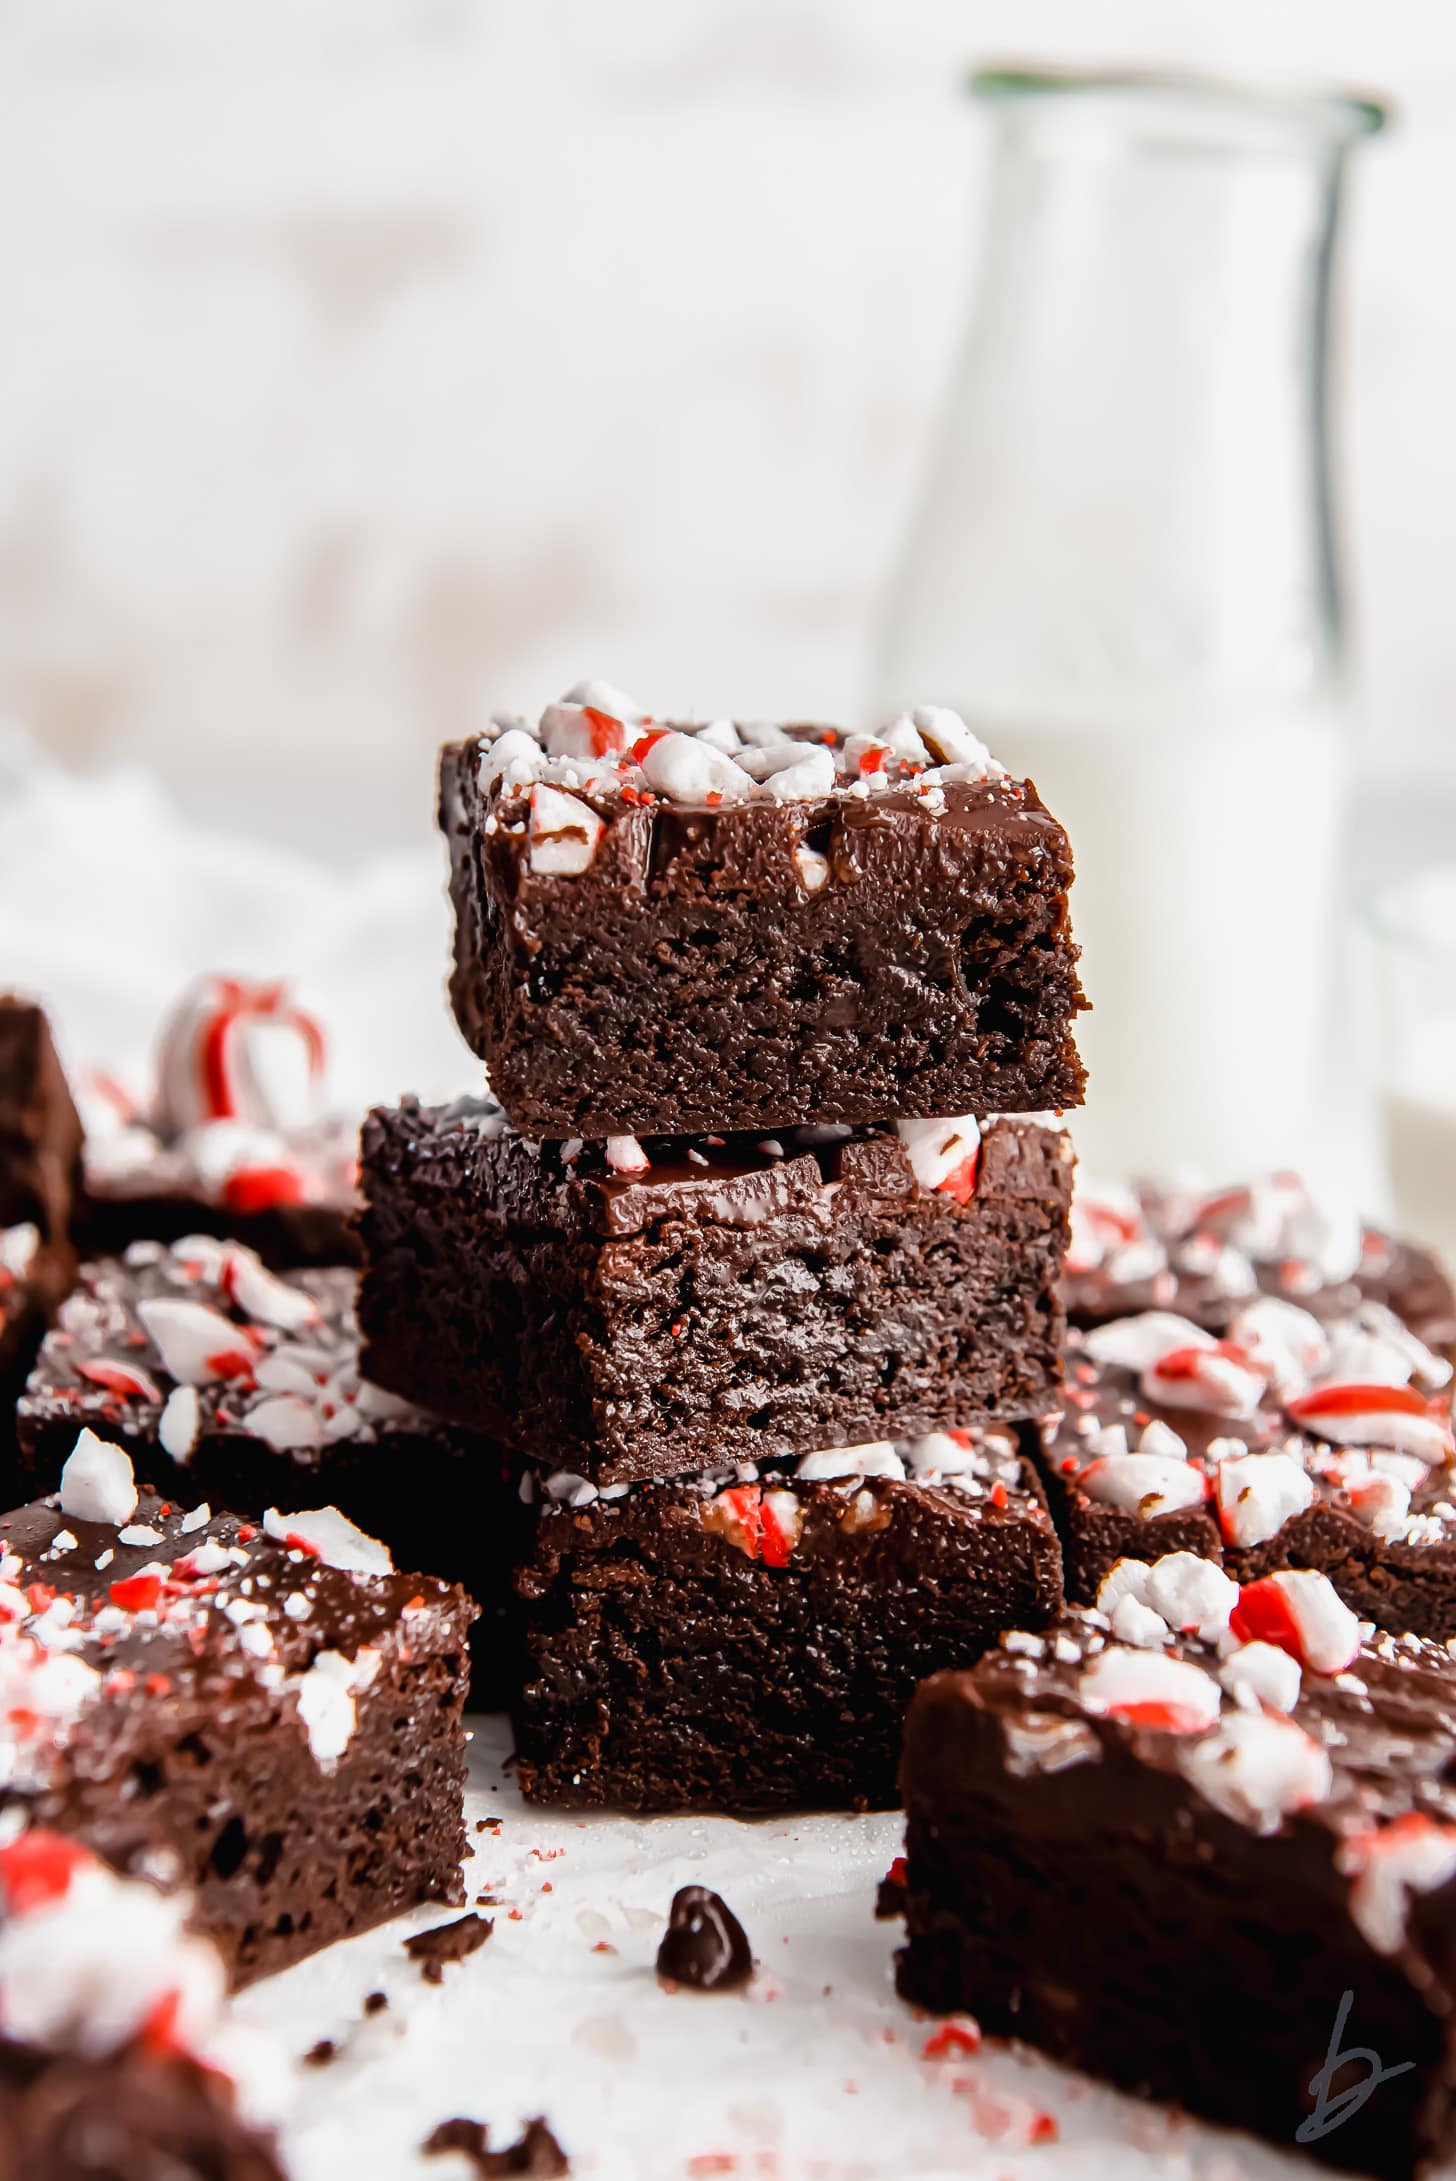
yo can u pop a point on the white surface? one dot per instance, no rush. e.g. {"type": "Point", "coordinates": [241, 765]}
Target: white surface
{"type": "Point", "coordinates": [814, 2074]}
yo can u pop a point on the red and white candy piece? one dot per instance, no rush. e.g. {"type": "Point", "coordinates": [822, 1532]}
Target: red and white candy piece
{"type": "Point", "coordinates": [685, 770]}
{"type": "Point", "coordinates": [98, 1483]}
{"type": "Point", "coordinates": [331, 1538]}
{"type": "Point", "coordinates": [1414, 1854]}
{"type": "Point", "coordinates": [1370, 1415]}
{"type": "Point", "coordinates": [118, 1378]}
{"type": "Point", "coordinates": [1214, 1376]}
{"type": "Point", "coordinates": [197, 1345]}
{"type": "Point", "coordinates": [1134, 1344]}
{"type": "Point", "coordinates": [18, 1246]}
{"type": "Point", "coordinates": [944, 1154]}
{"type": "Point", "coordinates": [177, 1427]}
{"type": "Point", "coordinates": [1258, 1493]}
{"type": "Point", "coordinates": [1105, 1220]}
{"type": "Point", "coordinates": [262, 1296]}
{"type": "Point", "coordinates": [1258, 1768]}
{"type": "Point", "coordinates": [563, 833]}
{"type": "Point", "coordinates": [1289, 1346]}
{"type": "Point", "coordinates": [1149, 1689]}
{"type": "Point", "coordinates": [875, 1458]}
{"type": "Point", "coordinates": [1301, 1612]}
{"type": "Point", "coordinates": [239, 1051]}
{"type": "Point", "coordinates": [764, 1525]}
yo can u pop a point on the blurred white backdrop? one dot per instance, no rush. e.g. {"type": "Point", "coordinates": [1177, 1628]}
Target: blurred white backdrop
{"type": "Point", "coordinates": [368, 362]}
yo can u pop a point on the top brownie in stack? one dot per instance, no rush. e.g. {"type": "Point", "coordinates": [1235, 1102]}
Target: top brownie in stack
{"type": "Point", "coordinates": [736, 925]}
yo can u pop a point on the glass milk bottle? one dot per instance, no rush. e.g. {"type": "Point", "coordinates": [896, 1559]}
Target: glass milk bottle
{"type": "Point", "coordinates": [1124, 572]}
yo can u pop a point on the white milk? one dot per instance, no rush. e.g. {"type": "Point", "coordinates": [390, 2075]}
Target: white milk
{"type": "Point", "coordinates": [1205, 904]}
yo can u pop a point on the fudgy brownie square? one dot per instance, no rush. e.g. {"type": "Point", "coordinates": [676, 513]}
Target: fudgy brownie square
{"type": "Point", "coordinates": [749, 1641]}
{"type": "Point", "coordinates": [117, 2059]}
{"type": "Point", "coordinates": [271, 1714]}
{"type": "Point", "coordinates": [670, 928]}
{"type": "Point", "coordinates": [629, 1310]}
{"type": "Point", "coordinates": [1289, 1443]}
{"type": "Point", "coordinates": [1204, 1869]}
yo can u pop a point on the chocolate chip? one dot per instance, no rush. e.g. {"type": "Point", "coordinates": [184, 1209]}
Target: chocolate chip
{"type": "Point", "coordinates": [375, 2002]}
{"type": "Point", "coordinates": [704, 1946]}
{"type": "Point", "coordinates": [322, 2053]}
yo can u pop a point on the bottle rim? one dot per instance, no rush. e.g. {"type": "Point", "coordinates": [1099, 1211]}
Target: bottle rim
{"type": "Point", "coordinates": [1334, 111]}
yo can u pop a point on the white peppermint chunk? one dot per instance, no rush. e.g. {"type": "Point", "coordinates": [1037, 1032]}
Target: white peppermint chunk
{"type": "Point", "coordinates": [686, 770]}
{"type": "Point", "coordinates": [811, 775]}
{"type": "Point", "coordinates": [262, 1296]}
{"type": "Point", "coordinates": [1258, 1768]}
{"type": "Point", "coordinates": [604, 697]}
{"type": "Point", "coordinates": [178, 1424]}
{"type": "Point", "coordinates": [1324, 1631]}
{"type": "Point", "coordinates": [1204, 1377]}
{"type": "Point", "coordinates": [1161, 1438]}
{"type": "Point", "coordinates": [1136, 1623]}
{"type": "Point", "coordinates": [903, 740]}
{"type": "Point", "coordinates": [1289, 1345]}
{"type": "Point", "coordinates": [1258, 1494]}
{"type": "Point", "coordinates": [938, 1149]}
{"type": "Point", "coordinates": [1260, 1674]}
{"type": "Point", "coordinates": [575, 1491]}
{"type": "Point", "coordinates": [625, 1155]}
{"type": "Point", "coordinates": [337, 1541]}
{"type": "Point", "coordinates": [1412, 1855]}
{"type": "Point", "coordinates": [1382, 1501]}
{"type": "Point", "coordinates": [1193, 1595]}
{"type": "Point", "coordinates": [285, 1423]}
{"type": "Point", "coordinates": [1142, 1484]}
{"type": "Point", "coordinates": [98, 1483]}
{"type": "Point", "coordinates": [813, 869]}
{"type": "Point", "coordinates": [18, 1245]}
{"type": "Point", "coordinates": [197, 1345]}
{"type": "Point", "coordinates": [1134, 1343]}
{"type": "Point", "coordinates": [720, 735]}
{"type": "Point", "coordinates": [1148, 1688]}
{"type": "Point", "coordinates": [1353, 1414]}
{"type": "Point", "coordinates": [515, 757]}
{"type": "Point", "coordinates": [943, 1454]}
{"type": "Point", "coordinates": [876, 1458]}
{"type": "Point", "coordinates": [949, 740]}
{"type": "Point", "coordinates": [564, 833]}
{"type": "Point", "coordinates": [326, 1705]}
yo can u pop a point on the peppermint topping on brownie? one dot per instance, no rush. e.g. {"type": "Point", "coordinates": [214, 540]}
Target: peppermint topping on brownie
{"type": "Point", "coordinates": [201, 1336]}
{"type": "Point", "coordinates": [1264, 1426]}
{"type": "Point", "coordinates": [547, 777]}
{"type": "Point", "coordinates": [1415, 1854]}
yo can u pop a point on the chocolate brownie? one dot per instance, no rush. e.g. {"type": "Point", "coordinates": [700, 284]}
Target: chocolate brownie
{"type": "Point", "coordinates": [730, 925]}
{"type": "Point", "coordinates": [1203, 1869]}
{"type": "Point", "coordinates": [271, 1714]}
{"type": "Point", "coordinates": [749, 1641]}
{"type": "Point", "coordinates": [225, 1382]}
{"type": "Point", "coordinates": [1204, 1255]}
{"type": "Point", "coordinates": [34, 1276]}
{"type": "Point", "coordinates": [117, 2059]}
{"type": "Point", "coordinates": [1288, 1443]}
{"type": "Point", "coordinates": [233, 1141]}
{"type": "Point", "coordinates": [603, 1307]}
{"type": "Point", "coordinates": [40, 1130]}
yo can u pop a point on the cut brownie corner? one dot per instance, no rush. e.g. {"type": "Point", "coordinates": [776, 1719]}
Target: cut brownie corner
{"type": "Point", "coordinates": [272, 1711]}
{"type": "Point", "coordinates": [1207, 1853]}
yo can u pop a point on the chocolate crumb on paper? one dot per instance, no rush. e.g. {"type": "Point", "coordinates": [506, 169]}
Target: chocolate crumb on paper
{"type": "Point", "coordinates": [447, 1942]}
{"type": "Point", "coordinates": [705, 1947]}
{"type": "Point", "coordinates": [536, 2153]}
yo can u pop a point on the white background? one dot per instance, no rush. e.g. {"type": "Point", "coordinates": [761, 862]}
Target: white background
{"type": "Point", "coordinates": [367, 362]}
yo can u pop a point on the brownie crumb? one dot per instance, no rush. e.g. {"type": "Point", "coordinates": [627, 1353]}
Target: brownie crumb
{"type": "Point", "coordinates": [375, 2002]}
{"type": "Point", "coordinates": [322, 2053]}
{"type": "Point", "coordinates": [704, 1947]}
{"type": "Point", "coordinates": [447, 1942]}
{"type": "Point", "coordinates": [537, 2154]}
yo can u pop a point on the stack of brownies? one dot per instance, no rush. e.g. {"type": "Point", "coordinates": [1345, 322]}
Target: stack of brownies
{"type": "Point", "coordinates": [753, 1321]}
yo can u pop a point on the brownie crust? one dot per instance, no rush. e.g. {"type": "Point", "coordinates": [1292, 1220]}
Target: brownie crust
{"type": "Point", "coordinates": [756, 1303]}
{"type": "Point", "coordinates": [691, 979]}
